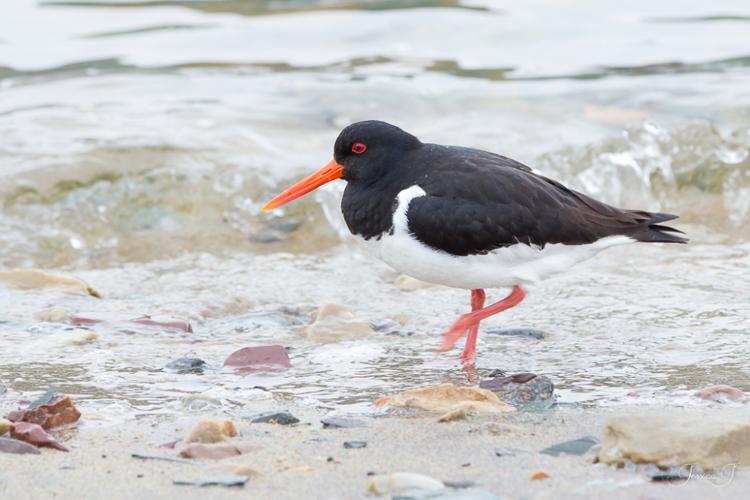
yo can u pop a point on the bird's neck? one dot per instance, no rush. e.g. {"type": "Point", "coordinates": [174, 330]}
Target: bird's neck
{"type": "Point", "coordinates": [368, 209]}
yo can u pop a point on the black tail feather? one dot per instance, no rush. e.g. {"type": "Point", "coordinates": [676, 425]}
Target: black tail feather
{"type": "Point", "coordinates": [657, 233]}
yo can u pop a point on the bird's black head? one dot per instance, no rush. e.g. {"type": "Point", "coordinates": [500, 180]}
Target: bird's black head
{"type": "Point", "coordinates": [367, 150]}
{"type": "Point", "coordinates": [364, 152]}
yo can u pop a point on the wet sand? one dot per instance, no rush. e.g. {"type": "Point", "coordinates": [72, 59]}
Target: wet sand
{"type": "Point", "coordinates": [293, 461]}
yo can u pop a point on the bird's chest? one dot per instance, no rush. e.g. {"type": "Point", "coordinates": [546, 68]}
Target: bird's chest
{"type": "Point", "coordinates": [368, 213]}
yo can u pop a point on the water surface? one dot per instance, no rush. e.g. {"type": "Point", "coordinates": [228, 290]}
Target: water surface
{"type": "Point", "coordinates": [139, 139]}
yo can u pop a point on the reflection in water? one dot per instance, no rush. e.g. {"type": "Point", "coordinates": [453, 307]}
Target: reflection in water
{"type": "Point", "coordinates": [138, 146]}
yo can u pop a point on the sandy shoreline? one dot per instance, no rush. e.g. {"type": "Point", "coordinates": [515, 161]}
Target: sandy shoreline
{"type": "Point", "coordinates": [307, 461]}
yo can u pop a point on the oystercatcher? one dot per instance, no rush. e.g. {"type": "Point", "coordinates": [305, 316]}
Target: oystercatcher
{"type": "Point", "coordinates": [467, 218]}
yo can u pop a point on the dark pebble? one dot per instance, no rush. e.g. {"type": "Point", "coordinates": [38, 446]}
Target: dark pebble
{"type": "Point", "coordinates": [573, 447]}
{"type": "Point", "coordinates": [523, 389]}
{"type": "Point", "coordinates": [341, 423]}
{"type": "Point", "coordinates": [355, 444]}
{"type": "Point", "coordinates": [224, 480]}
{"type": "Point", "coordinates": [186, 365]}
{"type": "Point", "coordinates": [281, 418]}
{"type": "Point", "coordinates": [669, 477]}
{"type": "Point", "coordinates": [528, 333]}
{"type": "Point", "coordinates": [459, 485]}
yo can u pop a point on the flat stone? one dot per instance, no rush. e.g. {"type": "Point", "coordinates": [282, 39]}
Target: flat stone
{"type": "Point", "coordinates": [222, 480]}
{"type": "Point", "coordinates": [574, 447]}
{"type": "Point", "coordinates": [675, 441]}
{"type": "Point", "coordinates": [400, 483]}
{"type": "Point", "coordinates": [721, 393]}
{"type": "Point", "coordinates": [521, 332]}
{"type": "Point", "coordinates": [213, 451]}
{"type": "Point", "coordinates": [334, 323]}
{"type": "Point", "coordinates": [260, 358]}
{"type": "Point", "coordinates": [129, 322]}
{"type": "Point", "coordinates": [342, 423]}
{"type": "Point", "coordinates": [446, 398]}
{"type": "Point", "coordinates": [186, 365]}
{"type": "Point", "coordinates": [29, 279]}
{"type": "Point", "coordinates": [355, 444]}
{"type": "Point", "coordinates": [34, 434]}
{"type": "Point", "coordinates": [17, 447]}
{"type": "Point", "coordinates": [280, 418]}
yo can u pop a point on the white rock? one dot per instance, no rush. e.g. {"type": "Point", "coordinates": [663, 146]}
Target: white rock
{"type": "Point", "coordinates": [676, 441]}
{"type": "Point", "coordinates": [403, 482]}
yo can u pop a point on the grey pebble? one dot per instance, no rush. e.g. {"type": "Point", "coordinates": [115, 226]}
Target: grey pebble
{"type": "Point", "coordinates": [281, 418]}
{"type": "Point", "coordinates": [355, 444]}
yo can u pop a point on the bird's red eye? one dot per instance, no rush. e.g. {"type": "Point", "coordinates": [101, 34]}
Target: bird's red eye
{"type": "Point", "coordinates": [358, 148]}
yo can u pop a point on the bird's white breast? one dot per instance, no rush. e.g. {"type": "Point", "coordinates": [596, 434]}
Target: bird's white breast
{"type": "Point", "coordinates": [507, 266]}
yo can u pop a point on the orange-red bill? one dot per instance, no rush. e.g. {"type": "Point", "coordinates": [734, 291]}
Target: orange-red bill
{"type": "Point", "coordinates": [330, 172]}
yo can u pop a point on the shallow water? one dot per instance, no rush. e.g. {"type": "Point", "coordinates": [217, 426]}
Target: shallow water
{"type": "Point", "coordinates": [139, 139]}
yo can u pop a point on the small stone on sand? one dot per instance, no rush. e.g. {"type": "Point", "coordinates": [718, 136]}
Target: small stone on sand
{"type": "Point", "coordinates": [447, 398]}
{"type": "Point", "coordinates": [334, 322]}
{"type": "Point", "coordinates": [212, 431]}
{"type": "Point", "coordinates": [672, 441]}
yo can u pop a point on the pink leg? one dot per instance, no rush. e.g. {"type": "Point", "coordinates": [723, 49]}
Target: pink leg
{"type": "Point", "coordinates": [470, 320]}
{"type": "Point", "coordinates": [470, 349]}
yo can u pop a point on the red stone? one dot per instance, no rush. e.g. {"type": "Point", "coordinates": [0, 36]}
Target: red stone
{"type": "Point", "coordinates": [34, 434]}
{"type": "Point", "coordinates": [60, 411]}
{"type": "Point", "coordinates": [261, 358]}
{"type": "Point", "coordinates": [162, 322]}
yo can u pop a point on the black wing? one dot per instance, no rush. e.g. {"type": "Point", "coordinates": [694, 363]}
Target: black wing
{"type": "Point", "coordinates": [479, 202]}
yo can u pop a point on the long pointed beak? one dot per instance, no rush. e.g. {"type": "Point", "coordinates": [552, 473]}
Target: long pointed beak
{"type": "Point", "coordinates": [330, 172]}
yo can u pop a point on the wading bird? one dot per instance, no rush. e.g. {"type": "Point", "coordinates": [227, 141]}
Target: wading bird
{"type": "Point", "coordinates": [467, 218]}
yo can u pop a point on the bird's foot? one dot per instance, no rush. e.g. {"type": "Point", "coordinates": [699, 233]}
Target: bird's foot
{"type": "Point", "coordinates": [461, 327]}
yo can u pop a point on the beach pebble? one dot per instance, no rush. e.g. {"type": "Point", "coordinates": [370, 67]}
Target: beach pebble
{"type": "Point", "coordinates": [29, 279]}
{"type": "Point", "coordinates": [574, 447]}
{"type": "Point", "coordinates": [222, 480]}
{"type": "Point", "coordinates": [50, 411]}
{"type": "Point", "coordinates": [53, 315]}
{"type": "Point", "coordinates": [236, 468]}
{"type": "Point", "coordinates": [17, 447]}
{"type": "Point", "coordinates": [128, 322]}
{"type": "Point", "coordinates": [334, 322]}
{"type": "Point", "coordinates": [521, 332]}
{"type": "Point", "coordinates": [539, 475]}
{"type": "Point", "coordinates": [5, 426]}
{"type": "Point", "coordinates": [280, 418]}
{"type": "Point", "coordinates": [401, 483]}
{"type": "Point", "coordinates": [672, 441]}
{"type": "Point", "coordinates": [447, 398]}
{"type": "Point", "coordinates": [721, 393]}
{"type": "Point", "coordinates": [214, 451]}
{"type": "Point", "coordinates": [212, 431]}
{"type": "Point", "coordinates": [408, 284]}
{"type": "Point", "coordinates": [186, 365]}
{"type": "Point", "coordinates": [34, 434]}
{"type": "Point", "coordinates": [355, 444]}
{"type": "Point", "coordinates": [260, 358]}
{"type": "Point", "coordinates": [522, 389]}
{"type": "Point", "coordinates": [342, 423]}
